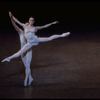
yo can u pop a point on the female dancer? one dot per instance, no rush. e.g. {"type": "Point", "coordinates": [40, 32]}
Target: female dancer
{"type": "Point", "coordinates": [27, 56]}
{"type": "Point", "coordinates": [32, 40]}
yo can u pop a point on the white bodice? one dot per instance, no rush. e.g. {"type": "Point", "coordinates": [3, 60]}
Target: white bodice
{"type": "Point", "coordinates": [29, 31]}
{"type": "Point", "coordinates": [30, 36]}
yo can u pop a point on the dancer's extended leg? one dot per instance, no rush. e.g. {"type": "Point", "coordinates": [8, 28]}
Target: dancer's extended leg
{"type": "Point", "coordinates": [24, 49]}
{"type": "Point", "coordinates": [46, 39]}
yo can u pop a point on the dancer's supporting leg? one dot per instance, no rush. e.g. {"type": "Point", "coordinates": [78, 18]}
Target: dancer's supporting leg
{"type": "Point", "coordinates": [46, 39]}
{"type": "Point", "coordinates": [27, 68]}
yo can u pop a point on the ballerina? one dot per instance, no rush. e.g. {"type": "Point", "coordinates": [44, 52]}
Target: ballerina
{"type": "Point", "coordinates": [31, 40]}
{"type": "Point", "coordinates": [27, 56]}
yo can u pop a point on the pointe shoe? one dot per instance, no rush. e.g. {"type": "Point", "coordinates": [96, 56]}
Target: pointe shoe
{"type": "Point", "coordinates": [30, 81]}
{"type": "Point", "coordinates": [65, 34]}
{"type": "Point", "coordinates": [6, 59]}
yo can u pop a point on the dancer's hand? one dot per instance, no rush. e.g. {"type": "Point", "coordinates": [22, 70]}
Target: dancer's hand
{"type": "Point", "coordinates": [10, 14]}
{"type": "Point", "coordinates": [56, 22]}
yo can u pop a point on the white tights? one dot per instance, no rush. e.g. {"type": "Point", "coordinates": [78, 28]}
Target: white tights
{"type": "Point", "coordinates": [26, 58]}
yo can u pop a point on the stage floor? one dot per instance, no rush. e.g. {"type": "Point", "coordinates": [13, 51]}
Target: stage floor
{"type": "Point", "coordinates": [63, 68]}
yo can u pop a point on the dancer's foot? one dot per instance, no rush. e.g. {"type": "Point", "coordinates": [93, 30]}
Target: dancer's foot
{"type": "Point", "coordinates": [6, 59]}
{"type": "Point", "coordinates": [65, 34]}
{"type": "Point", "coordinates": [30, 81]}
{"type": "Point", "coordinates": [25, 83]}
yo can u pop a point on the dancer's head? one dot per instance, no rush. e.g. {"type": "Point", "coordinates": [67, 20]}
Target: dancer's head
{"type": "Point", "coordinates": [31, 20]}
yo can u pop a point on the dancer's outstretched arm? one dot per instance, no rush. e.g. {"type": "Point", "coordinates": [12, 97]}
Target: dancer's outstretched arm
{"type": "Point", "coordinates": [45, 26]}
{"type": "Point", "coordinates": [17, 21]}
{"type": "Point", "coordinates": [13, 23]}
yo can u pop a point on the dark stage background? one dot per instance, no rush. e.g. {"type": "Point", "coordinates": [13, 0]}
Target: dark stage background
{"type": "Point", "coordinates": [78, 16]}
{"type": "Point", "coordinates": [63, 68]}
